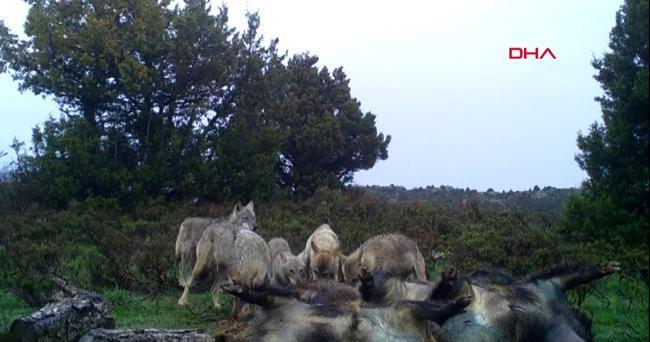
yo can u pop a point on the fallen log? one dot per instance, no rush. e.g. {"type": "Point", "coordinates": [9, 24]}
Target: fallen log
{"type": "Point", "coordinates": [147, 335]}
{"type": "Point", "coordinates": [66, 319]}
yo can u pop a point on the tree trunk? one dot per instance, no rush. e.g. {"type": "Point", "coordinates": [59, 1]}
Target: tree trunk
{"type": "Point", "coordinates": [147, 335]}
{"type": "Point", "coordinates": [64, 320]}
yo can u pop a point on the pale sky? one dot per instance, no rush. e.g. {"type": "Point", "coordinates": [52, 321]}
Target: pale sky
{"type": "Point", "coordinates": [438, 77]}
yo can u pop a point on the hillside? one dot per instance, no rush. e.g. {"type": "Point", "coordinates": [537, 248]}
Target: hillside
{"type": "Point", "coordinates": [548, 200]}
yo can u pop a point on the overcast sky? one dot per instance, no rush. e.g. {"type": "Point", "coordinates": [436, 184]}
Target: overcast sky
{"type": "Point", "coordinates": [438, 77]}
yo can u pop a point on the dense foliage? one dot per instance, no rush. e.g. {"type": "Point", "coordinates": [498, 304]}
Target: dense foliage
{"type": "Point", "coordinates": [173, 103]}
{"type": "Point", "coordinates": [613, 203]}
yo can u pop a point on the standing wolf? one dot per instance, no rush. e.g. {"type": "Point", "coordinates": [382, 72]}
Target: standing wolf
{"type": "Point", "coordinates": [239, 255]}
{"type": "Point", "coordinates": [394, 253]}
{"type": "Point", "coordinates": [322, 254]}
{"type": "Point", "coordinates": [192, 229]}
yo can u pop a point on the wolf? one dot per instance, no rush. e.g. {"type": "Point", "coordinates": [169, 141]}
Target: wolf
{"type": "Point", "coordinates": [322, 254]}
{"type": "Point", "coordinates": [394, 253]}
{"type": "Point", "coordinates": [284, 318]}
{"type": "Point", "coordinates": [504, 308]}
{"type": "Point", "coordinates": [286, 269]}
{"type": "Point", "coordinates": [192, 229]}
{"type": "Point", "coordinates": [238, 254]}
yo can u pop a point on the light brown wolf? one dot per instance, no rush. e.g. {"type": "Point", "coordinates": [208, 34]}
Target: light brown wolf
{"type": "Point", "coordinates": [394, 253]}
{"type": "Point", "coordinates": [239, 255]}
{"type": "Point", "coordinates": [322, 254]}
{"type": "Point", "coordinates": [192, 229]}
{"type": "Point", "coordinates": [286, 269]}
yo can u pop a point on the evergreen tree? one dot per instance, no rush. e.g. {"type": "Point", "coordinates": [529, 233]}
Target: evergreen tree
{"type": "Point", "coordinates": [246, 145]}
{"type": "Point", "coordinates": [171, 102]}
{"type": "Point", "coordinates": [613, 203]}
{"type": "Point", "coordinates": [328, 137]}
{"type": "Point", "coordinates": [141, 76]}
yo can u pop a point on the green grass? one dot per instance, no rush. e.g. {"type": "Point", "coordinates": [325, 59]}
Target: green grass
{"type": "Point", "coordinates": [11, 307]}
{"type": "Point", "coordinates": [132, 310]}
{"type": "Point", "coordinates": [619, 309]}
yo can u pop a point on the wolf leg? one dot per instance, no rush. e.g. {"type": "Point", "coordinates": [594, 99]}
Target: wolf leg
{"type": "Point", "coordinates": [202, 258]}
{"type": "Point", "coordinates": [215, 290]}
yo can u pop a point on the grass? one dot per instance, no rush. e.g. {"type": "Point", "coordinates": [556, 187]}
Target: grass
{"type": "Point", "coordinates": [617, 306]}
{"type": "Point", "coordinates": [11, 307]}
{"type": "Point", "coordinates": [619, 309]}
{"type": "Point", "coordinates": [132, 310]}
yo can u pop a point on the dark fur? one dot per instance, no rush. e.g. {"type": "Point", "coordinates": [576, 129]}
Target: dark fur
{"type": "Point", "coordinates": [328, 291]}
{"type": "Point", "coordinates": [285, 318]}
{"type": "Point", "coordinates": [532, 308]}
{"type": "Point", "coordinates": [569, 276]}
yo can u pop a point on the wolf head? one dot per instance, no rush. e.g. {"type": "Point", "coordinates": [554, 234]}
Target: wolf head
{"type": "Point", "coordinates": [324, 264]}
{"type": "Point", "coordinates": [244, 216]}
{"type": "Point", "coordinates": [350, 266]}
{"type": "Point", "coordinates": [291, 269]}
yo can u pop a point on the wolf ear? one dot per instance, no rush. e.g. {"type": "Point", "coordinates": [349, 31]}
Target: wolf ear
{"type": "Point", "coordinates": [250, 206]}
{"type": "Point", "coordinates": [313, 247]}
{"type": "Point", "coordinates": [235, 210]}
{"type": "Point", "coordinates": [342, 258]}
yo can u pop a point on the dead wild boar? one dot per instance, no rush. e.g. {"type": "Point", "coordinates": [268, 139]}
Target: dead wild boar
{"type": "Point", "coordinates": [322, 254]}
{"type": "Point", "coordinates": [394, 253]}
{"type": "Point", "coordinates": [287, 270]}
{"type": "Point", "coordinates": [328, 291]}
{"type": "Point", "coordinates": [283, 318]}
{"type": "Point", "coordinates": [503, 308]}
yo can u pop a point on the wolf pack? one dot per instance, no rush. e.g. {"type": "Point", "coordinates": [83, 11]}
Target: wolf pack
{"type": "Point", "coordinates": [381, 291]}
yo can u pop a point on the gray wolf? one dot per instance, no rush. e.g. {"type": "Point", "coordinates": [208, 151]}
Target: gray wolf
{"type": "Point", "coordinates": [192, 229]}
{"type": "Point", "coordinates": [394, 253]}
{"type": "Point", "coordinates": [286, 270]}
{"type": "Point", "coordinates": [239, 255]}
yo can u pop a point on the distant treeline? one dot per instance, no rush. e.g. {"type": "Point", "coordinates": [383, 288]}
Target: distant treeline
{"type": "Point", "coordinates": [547, 200]}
